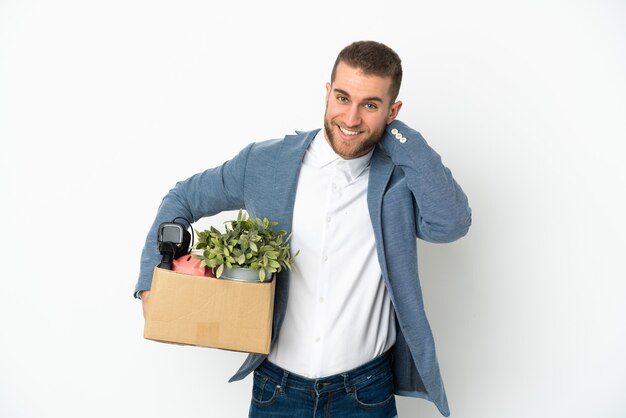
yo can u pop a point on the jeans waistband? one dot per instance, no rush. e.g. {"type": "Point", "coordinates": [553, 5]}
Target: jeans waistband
{"type": "Point", "coordinates": [345, 380]}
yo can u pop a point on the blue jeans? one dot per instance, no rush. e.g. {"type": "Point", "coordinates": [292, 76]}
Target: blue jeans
{"type": "Point", "coordinates": [364, 392]}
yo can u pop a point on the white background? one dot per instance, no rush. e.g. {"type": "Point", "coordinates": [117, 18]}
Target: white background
{"type": "Point", "coordinates": [105, 105]}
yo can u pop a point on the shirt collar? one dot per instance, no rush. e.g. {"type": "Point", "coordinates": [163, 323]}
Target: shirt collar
{"type": "Point", "coordinates": [320, 154]}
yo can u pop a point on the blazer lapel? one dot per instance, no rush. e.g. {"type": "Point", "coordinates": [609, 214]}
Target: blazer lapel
{"type": "Point", "coordinates": [286, 172]}
{"type": "Point", "coordinates": [381, 168]}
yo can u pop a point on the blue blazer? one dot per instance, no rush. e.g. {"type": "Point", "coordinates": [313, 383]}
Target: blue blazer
{"type": "Point", "coordinates": [410, 194]}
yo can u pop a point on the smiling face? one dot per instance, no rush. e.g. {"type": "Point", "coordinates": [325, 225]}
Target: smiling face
{"type": "Point", "coordinates": [358, 108]}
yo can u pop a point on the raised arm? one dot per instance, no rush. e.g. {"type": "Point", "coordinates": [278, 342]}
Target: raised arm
{"type": "Point", "coordinates": [442, 210]}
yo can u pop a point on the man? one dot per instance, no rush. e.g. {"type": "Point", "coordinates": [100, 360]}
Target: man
{"type": "Point", "coordinates": [349, 324]}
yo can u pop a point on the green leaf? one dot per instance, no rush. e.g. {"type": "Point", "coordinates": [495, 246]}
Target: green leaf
{"type": "Point", "coordinates": [246, 242]}
{"type": "Point", "coordinates": [219, 271]}
{"type": "Point", "coordinates": [262, 275]}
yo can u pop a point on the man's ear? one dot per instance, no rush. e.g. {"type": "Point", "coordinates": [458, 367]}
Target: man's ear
{"type": "Point", "coordinates": [393, 111]}
{"type": "Point", "coordinates": [328, 87]}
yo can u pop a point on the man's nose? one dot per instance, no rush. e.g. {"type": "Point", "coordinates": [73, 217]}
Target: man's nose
{"type": "Point", "coordinates": [353, 116]}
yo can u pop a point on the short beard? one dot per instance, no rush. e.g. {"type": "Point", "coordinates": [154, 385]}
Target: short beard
{"type": "Point", "coordinates": [358, 150]}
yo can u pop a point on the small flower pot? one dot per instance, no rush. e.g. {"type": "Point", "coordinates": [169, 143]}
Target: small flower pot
{"type": "Point", "coordinates": [245, 275]}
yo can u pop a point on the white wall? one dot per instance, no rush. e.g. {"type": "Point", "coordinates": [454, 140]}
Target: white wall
{"type": "Point", "coordinates": [526, 102]}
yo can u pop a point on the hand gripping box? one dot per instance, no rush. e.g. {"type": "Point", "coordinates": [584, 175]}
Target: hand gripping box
{"type": "Point", "coordinates": [209, 312]}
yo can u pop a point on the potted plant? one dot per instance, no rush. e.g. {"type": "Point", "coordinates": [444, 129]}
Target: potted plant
{"type": "Point", "coordinates": [248, 249]}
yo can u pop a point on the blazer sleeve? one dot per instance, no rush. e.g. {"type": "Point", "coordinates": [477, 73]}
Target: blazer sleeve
{"type": "Point", "coordinates": [204, 194]}
{"type": "Point", "coordinates": [442, 211]}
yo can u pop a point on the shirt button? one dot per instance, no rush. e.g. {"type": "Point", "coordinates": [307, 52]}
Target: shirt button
{"type": "Point", "coordinates": [399, 136]}
{"type": "Point", "coordinates": [325, 258]}
{"type": "Point", "coordinates": [394, 131]}
{"type": "Point", "coordinates": [402, 140]}
{"type": "Point", "coordinates": [328, 219]}
{"type": "Point", "coordinates": [317, 339]}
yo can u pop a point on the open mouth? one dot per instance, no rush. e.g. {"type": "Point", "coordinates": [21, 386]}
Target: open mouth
{"type": "Point", "coordinates": [348, 133]}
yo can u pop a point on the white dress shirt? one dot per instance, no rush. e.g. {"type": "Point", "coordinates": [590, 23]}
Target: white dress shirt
{"type": "Point", "coordinates": [339, 315]}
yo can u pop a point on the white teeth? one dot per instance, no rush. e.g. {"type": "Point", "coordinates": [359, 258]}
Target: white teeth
{"type": "Point", "coordinates": [347, 132]}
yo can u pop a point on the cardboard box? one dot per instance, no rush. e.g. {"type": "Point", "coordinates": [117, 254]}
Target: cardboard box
{"type": "Point", "coordinates": [209, 312]}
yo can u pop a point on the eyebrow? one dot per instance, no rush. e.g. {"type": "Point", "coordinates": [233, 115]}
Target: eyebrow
{"type": "Point", "coordinates": [367, 99]}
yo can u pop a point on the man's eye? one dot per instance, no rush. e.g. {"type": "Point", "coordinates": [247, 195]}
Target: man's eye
{"type": "Point", "coordinates": [342, 99]}
{"type": "Point", "coordinates": [371, 106]}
